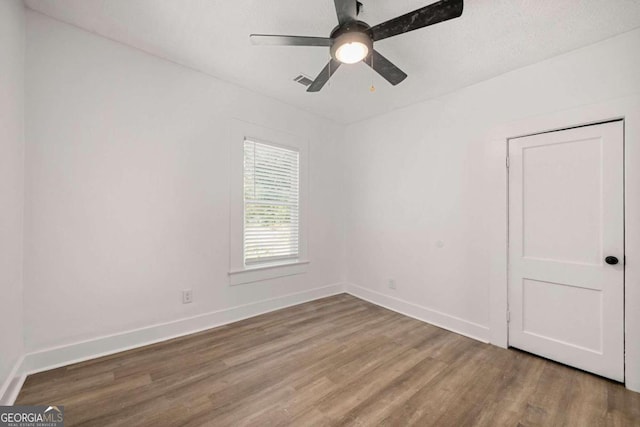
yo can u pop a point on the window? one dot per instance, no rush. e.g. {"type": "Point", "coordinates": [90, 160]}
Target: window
{"type": "Point", "coordinates": [268, 179]}
{"type": "Point", "coordinates": [271, 203]}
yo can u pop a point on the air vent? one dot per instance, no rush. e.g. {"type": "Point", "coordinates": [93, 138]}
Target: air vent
{"type": "Point", "coordinates": [303, 80]}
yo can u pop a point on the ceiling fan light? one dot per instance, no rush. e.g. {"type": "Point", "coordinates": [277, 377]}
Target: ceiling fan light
{"type": "Point", "coordinates": [351, 47]}
{"type": "Point", "coordinates": [350, 53]}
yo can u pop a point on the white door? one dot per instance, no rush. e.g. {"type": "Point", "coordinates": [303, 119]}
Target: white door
{"type": "Point", "coordinates": [566, 204]}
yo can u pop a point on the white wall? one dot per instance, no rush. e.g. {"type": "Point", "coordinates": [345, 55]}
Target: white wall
{"type": "Point", "coordinates": [127, 186]}
{"type": "Point", "coordinates": [128, 195]}
{"type": "Point", "coordinates": [422, 174]}
{"type": "Point", "coordinates": [12, 42]}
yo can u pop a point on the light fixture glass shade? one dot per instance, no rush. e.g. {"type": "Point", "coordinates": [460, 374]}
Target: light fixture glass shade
{"type": "Point", "coordinates": [350, 53]}
{"type": "Point", "coordinates": [352, 47]}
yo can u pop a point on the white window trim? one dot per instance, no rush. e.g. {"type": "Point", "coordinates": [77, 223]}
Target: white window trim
{"type": "Point", "coordinates": [238, 272]}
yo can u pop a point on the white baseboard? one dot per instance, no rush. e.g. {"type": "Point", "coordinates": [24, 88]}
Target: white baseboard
{"type": "Point", "coordinates": [13, 383]}
{"type": "Point", "coordinates": [14, 389]}
{"type": "Point", "coordinates": [428, 315]}
{"type": "Point", "coordinates": [56, 357]}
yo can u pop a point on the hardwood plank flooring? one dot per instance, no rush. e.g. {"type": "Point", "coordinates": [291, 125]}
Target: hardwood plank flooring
{"type": "Point", "coordinates": [335, 361]}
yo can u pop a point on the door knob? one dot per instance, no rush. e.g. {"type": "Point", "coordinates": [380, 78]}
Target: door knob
{"type": "Point", "coordinates": [611, 260]}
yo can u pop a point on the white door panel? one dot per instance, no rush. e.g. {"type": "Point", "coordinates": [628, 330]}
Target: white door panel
{"type": "Point", "coordinates": [565, 217]}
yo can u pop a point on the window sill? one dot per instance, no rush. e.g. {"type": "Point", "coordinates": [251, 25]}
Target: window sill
{"type": "Point", "coordinates": [267, 271]}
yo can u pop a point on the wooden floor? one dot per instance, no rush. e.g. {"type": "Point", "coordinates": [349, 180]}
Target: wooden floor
{"type": "Point", "coordinates": [336, 361]}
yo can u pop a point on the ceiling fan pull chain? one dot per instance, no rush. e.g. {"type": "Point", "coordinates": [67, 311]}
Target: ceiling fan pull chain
{"type": "Point", "coordinates": [372, 88]}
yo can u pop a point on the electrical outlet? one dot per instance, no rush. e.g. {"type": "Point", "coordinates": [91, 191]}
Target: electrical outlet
{"type": "Point", "coordinates": [392, 284]}
{"type": "Point", "coordinates": [187, 296]}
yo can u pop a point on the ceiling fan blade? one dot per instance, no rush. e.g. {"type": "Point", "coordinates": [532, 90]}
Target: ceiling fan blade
{"type": "Point", "coordinates": [277, 40]}
{"type": "Point", "coordinates": [428, 15]}
{"type": "Point", "coordinates": [347, 10]}
{"type": "Point", "coordinates": [324, 76]}
{"type": "Point", "coordinates": [385, 68]}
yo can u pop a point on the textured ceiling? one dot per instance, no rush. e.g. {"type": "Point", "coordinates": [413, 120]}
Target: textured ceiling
{"type": "Point", "coordinates": [491, 38]}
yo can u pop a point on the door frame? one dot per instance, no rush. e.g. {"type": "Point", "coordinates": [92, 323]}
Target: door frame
{"type": "Point", "coordinates": [626, 109]}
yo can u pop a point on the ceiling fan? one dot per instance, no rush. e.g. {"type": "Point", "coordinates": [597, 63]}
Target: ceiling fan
{"type": "Point", "coordinates": [352, 40]}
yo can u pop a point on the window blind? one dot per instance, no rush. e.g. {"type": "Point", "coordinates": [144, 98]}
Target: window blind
{"type": "Point", "coordinates": [271, 203]}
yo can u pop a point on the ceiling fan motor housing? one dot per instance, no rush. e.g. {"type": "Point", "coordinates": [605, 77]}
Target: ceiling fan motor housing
{"type": "Point", "coordinates": [355, 31]}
